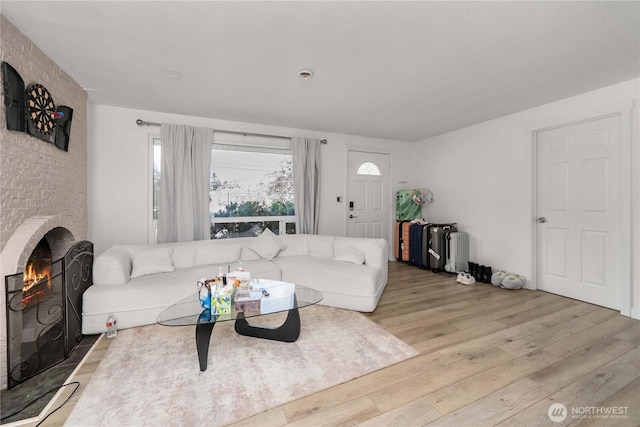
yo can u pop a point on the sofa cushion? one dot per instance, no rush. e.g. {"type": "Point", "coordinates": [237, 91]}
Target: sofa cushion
{"type": "Point", "coordinates": [267, 245]}
{"type": "Point", "coordinates": [320, 246]}
{"type": "Point", "coordinates": [144, 292]}
{"type": "Point", "coordinates": [217, 255]}
{"type": "Point", "coordinates": [248, 254]}
{"type": "Point", "coordinates": [112, 267]}
{"type": "Point", "coordinates": [376, 250]}
{"type": "Point", "coordinates": [150, 261]}
{"type": "Point", "coordinates": [262, 269]}
{"type": "Point", "coordinates": [328, 275]}
{"type": "Point", "coordinates": [183, 256]}
{"type": "Point", "coordinates": [352, 255]}
{"type": "Point", "coordinates": [294, 244]}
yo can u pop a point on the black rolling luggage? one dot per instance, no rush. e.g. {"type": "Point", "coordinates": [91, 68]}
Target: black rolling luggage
{"type": "Point", "coordinates": [415, 244]}
{"type": "Point", "coordinates": [426, 237]}
{"type": "Point", "coordinates": [437, 245]}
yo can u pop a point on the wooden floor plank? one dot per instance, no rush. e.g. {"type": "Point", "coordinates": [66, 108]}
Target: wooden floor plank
{"type": "Point", "coordinates": [552, 334]}
{"type": "Point", "coordinates": [587, 337]}
{"type": "Point", "coordinates": [413, 414]}
{"type": "Point", "coordinates": [496, 407]}
{"type": "Point", "coordinates": [460, 336]}
{"type": "Point", "coordinates": [520, 302]}
{"type": "Point", "coordinates": [455, 396]}
{"type": "Point", "coordinates": [346, 414]}
{"type": "Point", "coordinates": [272, 418]}
{"type": "Point", "coordinates": [422, 385]}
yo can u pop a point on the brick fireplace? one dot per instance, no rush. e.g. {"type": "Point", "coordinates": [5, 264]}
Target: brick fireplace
{"type": "Point", "coordinates": [43, 190]}
{"type": "Point", "coordinates": [44, 300]}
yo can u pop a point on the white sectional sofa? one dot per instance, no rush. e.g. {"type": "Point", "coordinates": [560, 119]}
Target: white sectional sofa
{"type": "Point", "coordinates": [136, 283]}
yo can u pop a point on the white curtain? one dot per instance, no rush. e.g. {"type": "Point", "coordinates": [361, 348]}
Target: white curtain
{"type": "Point", "coordinates": [306, 183]}
{"type": "Point", "coordinates": [184, 183]}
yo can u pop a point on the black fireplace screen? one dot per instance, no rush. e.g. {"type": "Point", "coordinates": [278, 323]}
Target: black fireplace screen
{"type": "Point", "coordinates": [44, 322]}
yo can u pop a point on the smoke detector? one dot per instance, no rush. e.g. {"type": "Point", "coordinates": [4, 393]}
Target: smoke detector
{"type": "Point", "coordinates": [305, 74]}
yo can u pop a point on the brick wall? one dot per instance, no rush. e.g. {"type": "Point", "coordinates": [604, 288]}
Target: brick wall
{"type": "Point", "coordinates": [37, 178]}
{"type": "Point", "coordinates": [39, 183]}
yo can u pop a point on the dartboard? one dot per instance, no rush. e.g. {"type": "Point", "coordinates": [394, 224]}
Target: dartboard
{"type": "Point", "coordinates": [41, 112]}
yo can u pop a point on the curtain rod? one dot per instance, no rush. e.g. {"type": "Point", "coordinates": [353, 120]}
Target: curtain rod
{"type": "Point", "coordinates": [140, 122]}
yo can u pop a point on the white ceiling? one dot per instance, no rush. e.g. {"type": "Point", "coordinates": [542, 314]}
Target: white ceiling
{"type": "Point", "coordinates": [398, 70]}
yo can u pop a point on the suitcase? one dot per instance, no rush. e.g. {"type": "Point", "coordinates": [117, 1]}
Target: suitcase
{"type": "Point", "coordinates": [457, 252]}
{"type": "Point", "coordinates": [426, 233]}
{"type": "Point", "coordinates": [401, 240]}
{"type": "Point", "coordinates": [415, 244]}
{"type": "Point", "coordinates": [438, 244]}
{"type": "Point", "coordinates": [406, 208]}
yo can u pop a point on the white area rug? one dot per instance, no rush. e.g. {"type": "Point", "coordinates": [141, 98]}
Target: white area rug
{"type": "Point", "coordinates": [150, 375]}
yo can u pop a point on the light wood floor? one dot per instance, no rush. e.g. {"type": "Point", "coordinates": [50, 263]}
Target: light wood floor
{"type": "Point", "coordinates": [489, 357]}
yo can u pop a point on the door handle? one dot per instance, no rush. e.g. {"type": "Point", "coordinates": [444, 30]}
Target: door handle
{"type": "Point", "coordinates": [542, 220]}
{"type": "Point", "coordinates": [352, 216]}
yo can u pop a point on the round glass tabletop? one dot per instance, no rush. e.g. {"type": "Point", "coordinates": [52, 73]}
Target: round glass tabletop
{"type": "Point", "coordinates": [279, 296]}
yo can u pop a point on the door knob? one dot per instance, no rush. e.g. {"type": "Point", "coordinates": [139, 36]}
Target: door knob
{"type": "Point", "coordinates": [542, 220]}
{"type": "Point", "coordinates": [352, 216]}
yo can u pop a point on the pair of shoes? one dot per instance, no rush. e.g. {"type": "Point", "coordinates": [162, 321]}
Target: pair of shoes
{"type": "Point", "coordinates": [513, 281]}
{"type": "Point", "coordinates": [480, 272]}
{"type": "Point", "coordinates": [498, 277]}
{"type": "Point", "coordinates": [507, 280]}
{"type": "Point", "coordinates": [467, 279]}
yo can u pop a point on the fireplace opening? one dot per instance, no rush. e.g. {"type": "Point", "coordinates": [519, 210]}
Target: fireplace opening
{"type": "Point", "coordinates": [36, 281]}
{"type": "Point", "coordinates": [44, 308]}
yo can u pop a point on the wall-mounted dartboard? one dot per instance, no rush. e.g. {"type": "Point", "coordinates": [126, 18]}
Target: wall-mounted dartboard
{"type": "Point", "coordinates": [41, 113]}
{"type": "Point", "coordinates": [32, 110]}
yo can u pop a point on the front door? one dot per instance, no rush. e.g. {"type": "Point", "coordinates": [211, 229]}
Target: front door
{"type": "Point", "coordinates": [578, 211]}
{"type": "Point", "coordinates": [368, 201]}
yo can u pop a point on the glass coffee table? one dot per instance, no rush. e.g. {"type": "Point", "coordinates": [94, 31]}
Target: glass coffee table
{"type": "Point", "coordinates": [282, 296]}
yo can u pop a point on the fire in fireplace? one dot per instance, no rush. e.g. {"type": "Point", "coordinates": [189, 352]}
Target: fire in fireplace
{"type": "Point", "coordinates": [36, 281]}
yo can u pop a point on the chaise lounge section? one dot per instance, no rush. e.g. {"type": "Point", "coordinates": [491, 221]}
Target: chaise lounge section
{"type": "Point", "coordinates": [137, 282]}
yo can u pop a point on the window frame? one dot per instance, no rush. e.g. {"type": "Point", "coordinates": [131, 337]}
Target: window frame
{"type": "Point", "coordinates": [152, 234]}
{"type": "Point", "coordinates": [256, 143]}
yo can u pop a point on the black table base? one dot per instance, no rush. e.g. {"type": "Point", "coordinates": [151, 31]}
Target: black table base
{"type": "Point", "coordinates": [203, 336]}
{"type": "Point", "coordinates": [289, 331]}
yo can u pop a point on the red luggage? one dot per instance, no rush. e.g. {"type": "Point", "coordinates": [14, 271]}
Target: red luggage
{"type": "Point", "coordinates": [401, 240]}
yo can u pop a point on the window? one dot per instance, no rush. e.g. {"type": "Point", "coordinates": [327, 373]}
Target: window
{"type": "Point", "coordinates": [254, 186]}
{"type": "Point", "coordinates": [156, 176]}
{"type": "Point", "coordinates": [251, 188]}
{"type": "Point", "coordinates": [368, 168]}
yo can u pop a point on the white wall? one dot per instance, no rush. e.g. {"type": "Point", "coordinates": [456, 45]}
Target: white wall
{"type": "Point", "coordinates": [481, 177]}
{"type": "Point", "coordinates": [119, 170]}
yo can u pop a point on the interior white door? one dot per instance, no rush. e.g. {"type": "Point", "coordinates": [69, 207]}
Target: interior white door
{"type": "Point", "coordinates": [368, 201]}
{"type": "Point", "coordinates": [578, 211]}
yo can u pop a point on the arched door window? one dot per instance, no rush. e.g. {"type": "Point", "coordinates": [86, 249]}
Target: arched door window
{"type": "Point", "coordinates": [368, 168]}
